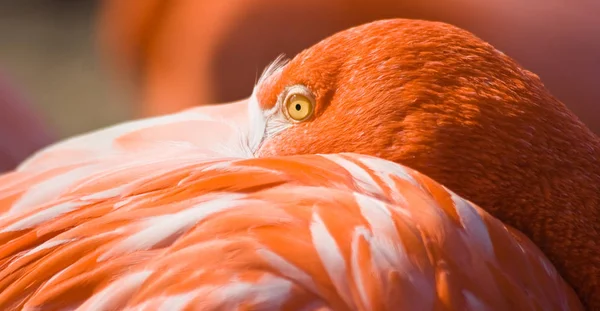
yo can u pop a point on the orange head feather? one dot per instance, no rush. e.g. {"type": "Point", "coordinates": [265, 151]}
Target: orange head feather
{"type": "Point", "coordinates": [442, 101]}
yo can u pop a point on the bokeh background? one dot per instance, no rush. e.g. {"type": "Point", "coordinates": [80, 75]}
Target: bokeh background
{"type": "Point", "coordinates": [48, 50]}
{"type": "Point", "coordinates": [70, 66]}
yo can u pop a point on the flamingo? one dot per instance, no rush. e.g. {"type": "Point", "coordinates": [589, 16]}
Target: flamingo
{"type": "Point", "coordinates": [400, 164]}
{"type": "Point", "coordinates": [182, 53]}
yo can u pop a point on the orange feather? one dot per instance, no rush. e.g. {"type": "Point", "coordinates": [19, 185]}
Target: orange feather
{"type": "Point", "coordinates": [179, 212]}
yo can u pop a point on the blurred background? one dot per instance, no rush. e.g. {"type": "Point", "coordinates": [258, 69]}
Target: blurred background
{"type": "Point", "coordinates": [70, 66]}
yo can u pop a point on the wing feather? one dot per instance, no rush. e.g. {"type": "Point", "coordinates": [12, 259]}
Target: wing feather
{"type": "Point", "coordinates": [338, 232]}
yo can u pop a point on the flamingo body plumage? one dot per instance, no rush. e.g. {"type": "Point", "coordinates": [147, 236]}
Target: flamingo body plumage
{"type": "Point", "coordinates": [241, 206]}
{"type": "Point", "coordinates": [141, 228]}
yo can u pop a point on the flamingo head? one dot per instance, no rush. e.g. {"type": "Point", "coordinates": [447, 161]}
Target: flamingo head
{"type": "Point", "coordinates": [439, 99]}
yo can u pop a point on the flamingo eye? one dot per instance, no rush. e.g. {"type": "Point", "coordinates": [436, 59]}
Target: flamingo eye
{"type": "Point", "coordinates": [299, 106]}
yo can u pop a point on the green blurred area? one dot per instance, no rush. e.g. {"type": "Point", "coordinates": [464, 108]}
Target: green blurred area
{"type": "Point", "coordinates": [48, 49]}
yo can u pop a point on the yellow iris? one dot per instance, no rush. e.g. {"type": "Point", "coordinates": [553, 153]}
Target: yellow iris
{"type": "Point", "coordinates": [299, 107]}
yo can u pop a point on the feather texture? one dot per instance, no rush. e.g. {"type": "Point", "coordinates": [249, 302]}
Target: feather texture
{"type": "Point", "coordinates": [138, 229]}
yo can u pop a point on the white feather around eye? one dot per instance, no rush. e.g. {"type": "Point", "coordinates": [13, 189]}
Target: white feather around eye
{"type": "Point", "coordinates": [264, 124]}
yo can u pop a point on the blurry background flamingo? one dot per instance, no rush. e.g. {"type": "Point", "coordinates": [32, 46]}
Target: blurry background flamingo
{"type": "Point", "coordinates": [198, 52]}
{"type": "Point", "coordinates": [185, 52]}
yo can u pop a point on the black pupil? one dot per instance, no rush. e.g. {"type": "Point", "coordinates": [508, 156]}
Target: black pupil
{"type": "Point", "coordinates": [298, 107]}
